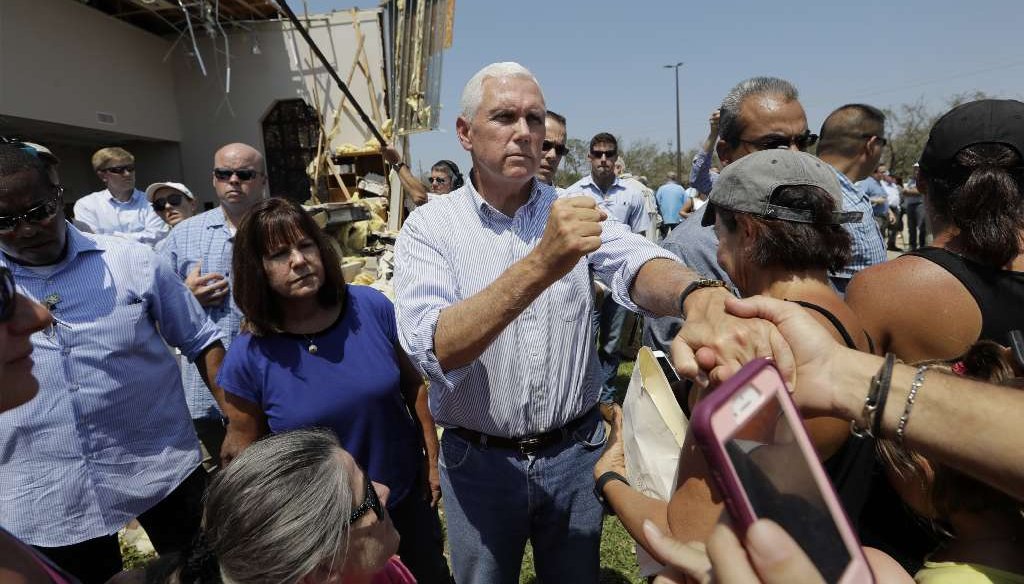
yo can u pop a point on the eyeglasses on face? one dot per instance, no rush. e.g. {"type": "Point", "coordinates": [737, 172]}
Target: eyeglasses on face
{"type": "Point", "coordinates": [801, 141]}
{"type": "Point", "coordinates": [599, 154]}
{"type": "Point", "coordinates": [173, 200]}
{"type": "Point", "coordinates": [243, 174]}
{"type": "Point", "coordinates": [560, 149]}
{"type": "Point", "coordinates": [41, 213]}
{"type": "Point", "coordinates": [370, 502]}
{"type": "Point", "coordinates": [881, 139]}
{"type": "Point", "coordinates": [7, 294]}
{"type": "Point", "coordinates": [437, 180]}
{"type": "Point", "coordinates": [122, 170]}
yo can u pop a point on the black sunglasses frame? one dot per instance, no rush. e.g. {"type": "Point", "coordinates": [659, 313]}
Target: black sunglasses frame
{"type": "Point", "coordinates": [121, 170]}
{"type": "Point", "coordinates": [560, 149]}
{"type": "Point", "coordinates": [173, 200]}
{"type": "Point", "coordinates": [599, 154]}
{"type": "Point", "coordinates": [33, 215]}
{"type": "Point", "coordinates": [243, 174]}
{"type": "Point", "coordinates": [7, 294]}
{"type": "Point", "coordinates": [437, 179]}
{"type": "Point", "coordinates": [370, 502]}
{"type": "Point", "coordinates": [801, 141]}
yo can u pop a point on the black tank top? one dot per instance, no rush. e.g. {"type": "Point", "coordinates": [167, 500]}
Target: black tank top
{"type": "Point", "coordinates": [998, 293]}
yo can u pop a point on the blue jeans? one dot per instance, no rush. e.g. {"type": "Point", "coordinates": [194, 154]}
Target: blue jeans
{"type": "Point", "coordinates": [608, 321]}
{"type": "Point", "coordinates": [496, 499]}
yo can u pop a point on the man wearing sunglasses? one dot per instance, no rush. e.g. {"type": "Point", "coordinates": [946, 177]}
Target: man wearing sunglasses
{"type": "Point", "coordinates": [852, 139]}
{"type": "Point", "coordinates": [553, 148]}
{"type": "Point", "coordinates": [120, 209]}
{"type": "Point", "coordinates": [199, 250]}
{"type": "Point", "coordinates": [172, 201]}
{"type": "Point", "coordinates": [108, 438]}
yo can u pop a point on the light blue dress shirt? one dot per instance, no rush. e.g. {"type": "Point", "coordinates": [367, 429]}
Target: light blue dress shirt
{"type": "Point", "coordinates": [622, 201]}
{"type": "Point", "coordinates": [133, 219]}
{"type": "Point", "coordinates": [671, 197]}
{"type": "Point", "coordinates": [204, 237]}
{"type": "Point", "coordinates": [868, 247]}
{"type": "Point", "coordinates": [108, 435]}
{"type": "Point", "coordinates": [541, 371]}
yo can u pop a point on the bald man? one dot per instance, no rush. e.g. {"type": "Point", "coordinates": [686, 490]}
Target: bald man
{"type": "Point", "coordinates": [199, 249]}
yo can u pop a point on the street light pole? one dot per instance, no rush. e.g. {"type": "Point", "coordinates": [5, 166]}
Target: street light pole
{"type": "Point", "coordinates": [679, 146]}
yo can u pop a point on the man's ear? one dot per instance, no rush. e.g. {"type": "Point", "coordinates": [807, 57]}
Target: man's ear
{"type": "Point", "coordinates": [724, 151]}
{"type": "Point", "coordinates": [462, 130]}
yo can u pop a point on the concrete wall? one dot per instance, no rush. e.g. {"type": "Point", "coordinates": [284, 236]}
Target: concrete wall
{"type": "Point", "coordinates": [210, 118]}
{"type": "Point", "coordinates": [62, 61]}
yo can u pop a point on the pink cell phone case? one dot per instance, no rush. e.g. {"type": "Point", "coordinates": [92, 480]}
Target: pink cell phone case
{"type": "Point", "coordinates": [714, 422]}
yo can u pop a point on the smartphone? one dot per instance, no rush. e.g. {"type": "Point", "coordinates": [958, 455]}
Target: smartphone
{"type": "Point", "coordinates": [766, 468]}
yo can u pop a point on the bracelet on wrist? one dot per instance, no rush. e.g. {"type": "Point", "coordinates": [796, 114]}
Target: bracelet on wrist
{"type": "Point", "coordinates": [878, 393]}
{"type": "Point", "coordinates": [697, 285]}
{"type": "Point", "coordinates": [915, 386]}
{"type": "Point", "coordinates": [599, 484]}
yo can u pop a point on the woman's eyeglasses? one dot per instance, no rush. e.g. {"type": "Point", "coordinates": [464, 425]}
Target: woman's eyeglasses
{"type": "Point", "coordinates": [7, 294]}
{"type": "Point", "coordinates": [370, 501]}
{"type": "Point", "coordinates": [38, 214]}
{"type": "Point", "coordinates": [437, 180]}
{"type": "Point", "coordinates": [173, 200]}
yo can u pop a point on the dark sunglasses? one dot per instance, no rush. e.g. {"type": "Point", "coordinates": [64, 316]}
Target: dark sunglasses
{"type": "Point", "coordinates": [173, 200]}
{"type": "Point", "coordinates": [125, 169]}
{"type": "Point", "coordinates": [560, 149]}
{"type": "Point", "coordinates": [7, 292]}
{"type": "Point", "coordinates": [884, 141]}
{"type": "Point", "coordinates": [437, 180]}
{"type": "Point", "coordinates": [38, 214]}
{"type": "Point", "coordinates": [598, 154]}
{"type": "Point", "coordinates": [243, 174]}
{"type": "Point", "coordinates": [370, 501]}
{"type": "Point", "coordinates": [801, 141]}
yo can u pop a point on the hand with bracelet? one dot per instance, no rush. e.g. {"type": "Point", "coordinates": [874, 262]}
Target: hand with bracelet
{"type": "Point", "coordinates": [833, 380]}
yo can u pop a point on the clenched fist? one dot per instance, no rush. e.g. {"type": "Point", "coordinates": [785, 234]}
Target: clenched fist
{"type": "Point", "coordinates": [573, 230]}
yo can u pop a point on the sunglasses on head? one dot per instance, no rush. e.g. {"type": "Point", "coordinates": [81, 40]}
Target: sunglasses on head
{"type": "Point", "coordinates": [173, 200]}
{"type": "Point", "coordinates": [801, 141]}
{"type": "Point", "coordinates": [370, 501]}
{"type": "Point", "coordinates": [437, 180]}
{"type": "Point", "coordinates": [598, 154]}
{"type": "Point", "coordinates": [243, 174]}
{"type": "Point", "coordinates": [123, 169]}
{"type": "Point", "coordinates": [7, 292]}
{"type": "Point", "coordinates": [39, 214]}
{"type": "Point", "coordinates": [560, 149]}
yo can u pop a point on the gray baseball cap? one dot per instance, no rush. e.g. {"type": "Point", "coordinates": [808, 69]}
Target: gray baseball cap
{"type": "Point", "coordinates": [748, 185]}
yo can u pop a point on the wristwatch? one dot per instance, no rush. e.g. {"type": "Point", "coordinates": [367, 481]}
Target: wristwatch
{"type": "Point", "coordinates": [398, 165]}
{"type": "Point", "coordinates": [696, 285]}
{"type": "Point", "coordinates": [599, 488]}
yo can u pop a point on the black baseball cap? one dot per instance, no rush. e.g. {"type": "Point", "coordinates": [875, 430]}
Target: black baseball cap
{"type": "Point", "coordinates": [976, 122]}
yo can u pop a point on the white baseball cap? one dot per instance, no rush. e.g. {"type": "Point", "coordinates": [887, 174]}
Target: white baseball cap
{"type": "Point", "coordinates": [153, 188]}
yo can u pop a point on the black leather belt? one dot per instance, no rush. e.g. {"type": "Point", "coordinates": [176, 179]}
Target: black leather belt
{"type": "Point", "coordinates": [526, 444]}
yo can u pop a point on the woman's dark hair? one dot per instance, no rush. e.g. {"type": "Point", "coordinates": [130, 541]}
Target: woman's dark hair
{"type": "Point", "coordinates": [195, 565]}
{"type": "Point", "coordinates": [982, 194]}
{"type": "Point", "coordinates": [269, 224]}
{"type": "Point", "coordinates": [792, 245]}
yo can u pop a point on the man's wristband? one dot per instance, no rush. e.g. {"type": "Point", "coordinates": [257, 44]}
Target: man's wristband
{"type": "Point", "coordinates": [696, 285]}
{"type": "Point", "coordinates": [599, 488]}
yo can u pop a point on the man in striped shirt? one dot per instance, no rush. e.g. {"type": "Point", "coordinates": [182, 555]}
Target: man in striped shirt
{"type": "Point", "coordinates": [493, 304]}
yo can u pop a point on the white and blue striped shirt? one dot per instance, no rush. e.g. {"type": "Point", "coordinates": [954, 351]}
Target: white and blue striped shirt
{"type": "Point", "coordinates": [205, 238]}
{"type": "Point", "coordinates": [134, 219]}
{"type": "Point", "coordinates": [541, 371]}
{"type": "Point", "coordinates": [108, 435]}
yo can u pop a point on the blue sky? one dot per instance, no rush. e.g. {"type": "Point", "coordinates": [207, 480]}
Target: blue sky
{"type": "Point", "coordinates": [600, 62]}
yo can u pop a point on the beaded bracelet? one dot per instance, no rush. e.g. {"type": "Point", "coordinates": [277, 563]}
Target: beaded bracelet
{"type": "Point", "coordinates": [878, 391]}
{"type": "Point", "coordinates": [915, 386]}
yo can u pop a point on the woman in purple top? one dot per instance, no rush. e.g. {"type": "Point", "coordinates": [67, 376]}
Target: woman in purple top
{"type": "Point", "coordinates": [315, 352]}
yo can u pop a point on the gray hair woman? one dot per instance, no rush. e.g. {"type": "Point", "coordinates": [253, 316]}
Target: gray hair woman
{"type": "Point", "coordinates": [293, 507]}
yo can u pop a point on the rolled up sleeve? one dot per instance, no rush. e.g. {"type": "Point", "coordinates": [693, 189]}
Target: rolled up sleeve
{"type": "Point", "coordinates": [620, 258]}
{"type": "Point", "coordinates": [424, 286]}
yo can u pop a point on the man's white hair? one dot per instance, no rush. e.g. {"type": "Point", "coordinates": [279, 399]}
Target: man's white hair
{"type": "Point", "coordinates": [473, 93]}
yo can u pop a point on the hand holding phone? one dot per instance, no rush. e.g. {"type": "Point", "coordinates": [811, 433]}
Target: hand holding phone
{"type": "Point", "coordinates": [766, 467]}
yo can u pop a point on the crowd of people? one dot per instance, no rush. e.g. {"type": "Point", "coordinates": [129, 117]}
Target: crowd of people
{"type": "Point", "coordinates": [213, 376]}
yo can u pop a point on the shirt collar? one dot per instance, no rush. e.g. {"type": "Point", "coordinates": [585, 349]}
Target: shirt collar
{"type": "Point", "coordinates": [77, 243]}
{"type": "Point", "coordinates": [136, 194]}
{"type": "Point", "coordinates": [589, 181]}
{"type": "Point", "coordinates": [487, 210]}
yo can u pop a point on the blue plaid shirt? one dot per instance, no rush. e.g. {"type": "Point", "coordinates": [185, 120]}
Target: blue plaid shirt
{"type": "Point", "coordinates": [108, 436]}
{"type": "Point", "coordinates": [204, 237]}
{"type": "Point", "coordinates": [868, 247]}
